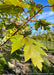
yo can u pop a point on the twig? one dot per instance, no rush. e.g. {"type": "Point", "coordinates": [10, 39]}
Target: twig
{"type": "Point", "coordinates": [27, 22]}
{"type": "Point", "coordinates": [41, 9]}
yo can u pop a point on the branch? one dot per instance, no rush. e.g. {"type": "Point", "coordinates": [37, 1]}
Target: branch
{"type": "Point", "coordinates": [26, 15]}
{"type": "Point", "coordinates": [27, 22]}
{"type": "Point", "coordinates": [41, 9]}
{"type": "Point", "coordinates": [15, 32]}
{"type": "Point", "coordinates": [16, 25]}
{"type": "Point", "coordinates": [30, 19]}
{"type": "Point", "coordinates": [37, 7]}
{"type": "Point", "coordinates": [7, 32]}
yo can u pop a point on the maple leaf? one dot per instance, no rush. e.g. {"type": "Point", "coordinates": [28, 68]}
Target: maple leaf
{"type": "Point", "coordinates": [32, 49]}
{"type": "Point", "coordinates": [51, 2]}
{"type": "Point", "coordinates": [33, 52]}
{"type": "Point", "coordinates": [16, 42]}
{"type": "Point", "coordinates": [17, 3]}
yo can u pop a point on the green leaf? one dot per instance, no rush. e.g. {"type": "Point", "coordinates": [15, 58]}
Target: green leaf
{"type": "Point", "coordinates": [37, 25]}
{"type": "Point", "coordinates": [17, 42]}
{"type": "Point", "coordinates": [51, 2]}
{"type": "Point", "coordinates": [10, 9]}
{"type": "Point", "coordinates": [17, 3]}
{"type": "Point", "coordinates": [52, 8]}
{"type": "Point", "coordinates": [37, 43]}
{"type": "Point", "coordinates": [43, 23]}
{"type": "Point", "coordinates": [38, 7]}
{"type": "Point", "coordinates": [32, 49]}
{"type": "Point", "coordinates": [33, 52]}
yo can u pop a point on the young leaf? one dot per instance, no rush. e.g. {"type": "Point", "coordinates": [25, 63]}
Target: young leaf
{"type": "Point", "coordinates": [32, 49]}
{"type": "Point", "coordinates": [17, 42]}
{"type": "Point", "coordinates": [51, 2]}
{"type": "Point", "coordinates": [4, 8]}
{"type": "Point", "coordinates": [17, 3]}
{"type": "Point", "coordinates": [33, 52]}
{"type": "Point", "coordinates": [52, 8]}
{"type": "Point", "coordinates": [37, 43]}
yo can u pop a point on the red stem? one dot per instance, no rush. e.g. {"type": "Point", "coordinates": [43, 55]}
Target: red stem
{"type": "Point", "coordinates": [16, 25]}
{"type": "Point", "coordinates": [41, 9]}
{"type": "Point", "coordinates": [26, 15]}
{"type": "Point", "coordinates": [8, 32]}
